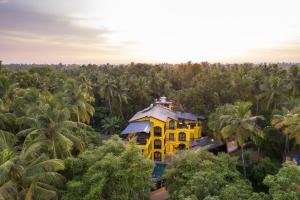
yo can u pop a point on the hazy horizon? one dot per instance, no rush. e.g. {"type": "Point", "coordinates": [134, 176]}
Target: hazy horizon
{"type": "Point", "coordinates": [170, 31]}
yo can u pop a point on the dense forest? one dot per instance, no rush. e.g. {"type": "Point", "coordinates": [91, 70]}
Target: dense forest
{"type": "Point", "coordinates": [53, 122]}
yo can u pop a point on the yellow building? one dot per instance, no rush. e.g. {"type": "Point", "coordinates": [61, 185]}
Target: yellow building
{"type": "Point", "coordinates": [160, 131]}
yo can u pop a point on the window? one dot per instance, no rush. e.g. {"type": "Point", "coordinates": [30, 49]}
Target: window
{"type": "Point", "coordinates": [157, 156]}
{"type": "Point", "coordinates": [192, 125]}
{"type": "Point", "coordinates": [171, 136]}
{"type": "Point", "coordinates": [157, 144]}
{"type": "Point", "coordinates": [181, 136]}
{"type": "Point", "coordinates": [181, 146]}
{"type": "Point", "coordinates": [172, 124]}
{"type": "Point", "coordinates": [157, 131]}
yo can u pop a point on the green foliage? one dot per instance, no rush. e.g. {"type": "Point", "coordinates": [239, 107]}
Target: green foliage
{"type": "Point", "coordinates": [112, 171]}
{"type": "Point", "coordinates": [236, 122]}
{"type": "Point", "coordinates": [112, 125]}
{"type": "Point", "coordinates": [197, 175]}
{"type": "Point", "coordinates": [46, 112]}
{"type": "Point", "coordinates": [37, 179]}
{"type": "Point", "coordinates": [258, 168]}
{"type": "Point", "coordinates": [285, 185]}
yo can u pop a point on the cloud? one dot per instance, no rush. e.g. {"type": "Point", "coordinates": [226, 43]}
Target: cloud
{"type": "Point", "coordinates": [26, 31]}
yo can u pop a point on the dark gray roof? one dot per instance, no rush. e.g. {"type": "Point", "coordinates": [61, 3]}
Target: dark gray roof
{"type": "Point", "coordinates": [157, 111]}
{"type": "Point", "coordinates": [135, 127]}
{"type": "Point", "coordinates": [188, 116]}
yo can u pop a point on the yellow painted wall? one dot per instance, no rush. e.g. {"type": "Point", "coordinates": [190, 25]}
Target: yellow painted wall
{"type": "Point", "coordinates": [167, 145]}
{"type": "Point", "coordinates": [152, 137]}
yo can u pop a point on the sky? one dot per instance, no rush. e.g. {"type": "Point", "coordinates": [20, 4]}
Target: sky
{"type": "Point", "coordinates": [150, 31]}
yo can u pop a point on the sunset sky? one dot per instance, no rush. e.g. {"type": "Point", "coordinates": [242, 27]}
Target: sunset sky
{"type": "Point", "coordinates": [153, 31]}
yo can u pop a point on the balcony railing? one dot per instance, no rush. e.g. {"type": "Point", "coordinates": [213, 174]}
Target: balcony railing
{"type": "Point", "coordinates": [168, 140]}
{"type": "Point", "coordinates": [157, 146]}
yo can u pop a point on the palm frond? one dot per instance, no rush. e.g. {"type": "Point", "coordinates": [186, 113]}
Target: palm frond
{"type": "Point", "coordinates": [8, 191]}
{"type": "Point", "coordinates": [7, 140]}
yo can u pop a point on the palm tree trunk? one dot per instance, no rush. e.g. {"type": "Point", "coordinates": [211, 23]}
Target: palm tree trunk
{"type": "Point", "coordinates": [258, 153]}
{"type": "Point", "coordinates": [121, 110]}
{"type": "Point", "coordinates": [109, 103]}
{"type": "Point", "coordinates": [243, 160]}
{"type": "Point", "coordinates": [54, 149]}
{"type": "Point", "coordinates": [286, 147]}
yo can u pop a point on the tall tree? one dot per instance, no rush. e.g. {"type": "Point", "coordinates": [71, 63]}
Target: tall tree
{"type": "Point", "coordinates": [49, 130]}
{"type": "Point", "coordinates": [289, 124]}
{"type": "Point", "coordinates": [241, 126]}
{"type": "Point", "coordinates": [107, 90]}
{"type": "Point", "coordinates": [121, 93]}
{"type": "Point", "coordinates": [39, 179]}
{"type": "Point", "coordinates": [293, 80]}
{"type": "Point", "coordinates": [78, 99]}
{"type": "Point", "coordinates": [272, 93]}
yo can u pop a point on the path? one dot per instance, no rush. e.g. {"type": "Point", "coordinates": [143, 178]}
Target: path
{"type": "Point", "coordinates": [160, 194]}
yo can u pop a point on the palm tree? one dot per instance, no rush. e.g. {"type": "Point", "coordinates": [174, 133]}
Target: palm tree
{"type": "Point", "coordinates": [28, 97]}
{"type": "Point", "coordinates": [215, 120]}
{"type": "Point", "coordinates": [49, 130]}
{"type": "Point", "coordinates": [241, 126]}
{"type": "Point", "coordinates": [121, 94]}
{"type": "Point", "coordinates": [107, 90]}
{"type": "Point", "coordinates": [78, 99]}
{"type": "Point", "coordinates": [112, 125]}
{"type": "Point", "coordinates": [289, 124]}
{"type": "Point", "coordinates": [294, 80]}
{"type": "Point", "coordinates": [272, 93]}
{"type": "Point", "coordinates": [20, 179]}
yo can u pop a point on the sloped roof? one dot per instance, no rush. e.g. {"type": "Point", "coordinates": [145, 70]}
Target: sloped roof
{"type": "Point", "coordinates": [135, 127]}
{"type": "Point", "coordinates": [157, 111]}
{"type": "Point", "coordinates": [162, 113]}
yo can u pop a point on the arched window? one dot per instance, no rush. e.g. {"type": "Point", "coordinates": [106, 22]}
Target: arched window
{"type": "Point", "coordinates": [157, 156]}
{"type": "Point", "coordinates": [182, 136]}
{"type": "Point", "coordinates": [172, 124]}
{"type": "Point", "coordinates": [157, 131]}
{"type": "Point", "coordinates": [157, 144]}
{"type": "Point", "coordinates": [181, 146]}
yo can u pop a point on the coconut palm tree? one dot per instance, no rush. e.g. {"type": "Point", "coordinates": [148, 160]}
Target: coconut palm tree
{"type": "Point", "coordinates": [241, 126]}
{"type": "Point", "coordinates": [107, 90]}
{"type": "Point", "coordinates": [215, 120]}
{"type": "Point", "coordinates": [272, 93]}
{"type": "Point", "coordinates": [294, 81]}
{"type": "Point", "coordinates": [289, 124]}
{"type": "Point", "coordinates": [112, 125]}
{"type": "Point", "coordinates": [49, 130]}
{"type": "Point", "coordinates": [39, 179]}
{"type": "Point", "coordinates": [121, 92]}
{"type": "Point", "coordinates": [78, 99]}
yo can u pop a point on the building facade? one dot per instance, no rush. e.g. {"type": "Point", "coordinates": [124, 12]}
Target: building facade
{"type": "Point", "coordinates": [160, 131]}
